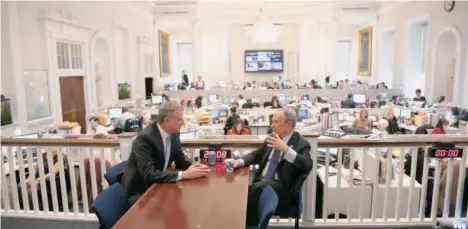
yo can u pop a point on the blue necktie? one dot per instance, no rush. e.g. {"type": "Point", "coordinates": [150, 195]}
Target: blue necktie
{"type": "Point", "coordinates": [167, 152]}
{"type": "Point", "coordinates": [274, 161]}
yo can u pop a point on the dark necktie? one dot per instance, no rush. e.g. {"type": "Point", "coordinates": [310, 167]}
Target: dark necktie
{"type": "Point", "coordinates": [274, 161]}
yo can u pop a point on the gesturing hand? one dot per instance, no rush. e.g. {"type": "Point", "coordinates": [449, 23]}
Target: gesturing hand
{"type": "Point", "coordinates": [274, 141]}
{"type": "Point", "coordinates": [195, 171]}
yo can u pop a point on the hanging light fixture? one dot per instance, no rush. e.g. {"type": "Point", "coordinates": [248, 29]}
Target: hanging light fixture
{"type": "Point", "coordinates": [264, 30]}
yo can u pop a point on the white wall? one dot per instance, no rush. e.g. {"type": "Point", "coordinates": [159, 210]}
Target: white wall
{"type": "Point", "coordinates": [239, 41]}
{"type": "Point", "coordinates": [91, 18]}
{"type": "Point", "coordinates": [401, 18]}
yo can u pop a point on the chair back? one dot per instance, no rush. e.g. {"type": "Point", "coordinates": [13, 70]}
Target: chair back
{"type": "Point", "coordinates": [112, 173]}
{"type": "Point", "coordinates": [297, 192]}
{"type": "Point", "coordinates": [110, 205]}
{"type": "Point", "coordinates": [267, 206]}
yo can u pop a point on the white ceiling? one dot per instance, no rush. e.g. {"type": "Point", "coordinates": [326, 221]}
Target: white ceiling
{"type": "Point", "coordinates": [245, 11]}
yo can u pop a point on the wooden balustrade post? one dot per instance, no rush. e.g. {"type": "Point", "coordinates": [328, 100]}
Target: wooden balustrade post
{"type": "Point", "coordinates": [126, 141]}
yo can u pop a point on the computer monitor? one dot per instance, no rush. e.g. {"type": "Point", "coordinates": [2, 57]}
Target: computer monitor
{"type": "Point", "coordinates": [214, 114]}
{"type": "Point", "coordinates": [359, 98]}
{"type": "Point", "coordinates": [30, 136]}
{"type": "Point", "coordinates": [156, 99]}
{"type": "Point", "coordinates": [405, 112]}
{"type": "Point", "coordinates": [212, 98]}
{"type": "Point", "coordinates": [301, 114]}
{"type": "Point", "coordinates": [115, 112]}
{"type": "Point", "coordinates": [223, 113]}
{"type": "Point", "coordinates": [282, 98]}
{"type": "Point", "coordinates": [305, 97]}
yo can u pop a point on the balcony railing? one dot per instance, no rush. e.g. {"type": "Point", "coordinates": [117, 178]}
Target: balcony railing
{"type": "Point", "coordinates": [353, 181]}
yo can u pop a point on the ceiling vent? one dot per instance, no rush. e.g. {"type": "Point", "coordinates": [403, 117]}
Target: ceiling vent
{"type": "Point", "coordinates": [276, 24]}
{"type": "Point", "coordinates": [178, 12]}
{"type": "Point", "coordinates": [356, 9]}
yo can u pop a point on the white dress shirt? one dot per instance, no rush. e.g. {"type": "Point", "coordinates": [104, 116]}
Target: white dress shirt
{"type": "Point", "coordinates": [100, 129]}
{"type": "Point", "coordinates": [164, 136]}
{"type": "Point", "coordinates": [289, 156]}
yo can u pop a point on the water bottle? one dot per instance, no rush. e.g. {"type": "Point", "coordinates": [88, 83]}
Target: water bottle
{"type": "Point", "coordinates": [212, 158]}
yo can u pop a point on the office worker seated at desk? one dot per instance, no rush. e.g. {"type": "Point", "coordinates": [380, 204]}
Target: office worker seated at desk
{"type": "Point", "coordinates": [248, 104]}
{"type": "Point", "coordinates": [154, 150]}
{"type": "Point", "coordinates": [96, 128]}
{"type": "Point", "coordinates": [419, 97]}
{"type": "Point", "coordinates": [348, 103]}
{"type": "Point", "coordinates": [230, 120]}
{"type": "Point", "coordinates": [238, 128]}
{"type": "Point", "coordinates": [363, 122]}
{"type": "Point", "coordinates": [282, 159]}
{"type": "Point", "coordinates": [200, 83]}
{"type": "Point", "coordinates": [275, 103]}
{"type": "Point", "coordinates": [120, 121]}
{"type": "Point", "coordinates": [441, 126]}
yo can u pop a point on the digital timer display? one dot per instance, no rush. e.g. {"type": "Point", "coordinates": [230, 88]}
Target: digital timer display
{"type": "Point", "coordinates": [221, 154]}
{"type": "Point", "coordinates": [446, 152]}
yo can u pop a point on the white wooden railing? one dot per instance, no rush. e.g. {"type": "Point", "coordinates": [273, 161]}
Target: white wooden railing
{"type": "Point", "coordinates": [392, 199]}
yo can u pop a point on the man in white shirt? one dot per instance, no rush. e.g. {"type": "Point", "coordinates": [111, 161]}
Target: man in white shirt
{"type": "Point", "coordinates": [154, 150]}
{"type": "Point", "coordinates": [97, 128]}
{"type": "Point", "coordinates": [120, 121]}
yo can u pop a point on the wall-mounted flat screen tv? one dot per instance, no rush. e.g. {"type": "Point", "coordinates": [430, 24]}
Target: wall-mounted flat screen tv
{"type": "Point", "coordinates": [263, 61]}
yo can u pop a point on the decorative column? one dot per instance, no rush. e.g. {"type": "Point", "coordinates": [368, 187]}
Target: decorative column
{"type": "Point", "coordinates": [197, 47]}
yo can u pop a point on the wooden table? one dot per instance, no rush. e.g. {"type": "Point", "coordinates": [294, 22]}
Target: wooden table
{"type": "Point", "coordinates": [216, 201]}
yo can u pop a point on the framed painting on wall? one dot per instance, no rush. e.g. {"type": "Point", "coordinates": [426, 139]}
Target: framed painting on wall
{"type": "Point", "coordinates": [164, 54]}
{"type": "Point", "coordinates": [365, 52]}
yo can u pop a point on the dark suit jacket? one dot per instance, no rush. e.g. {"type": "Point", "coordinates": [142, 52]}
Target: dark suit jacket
{"type": "Point", "coordinates": [185, 79]}
{"type": "Point", "coordinates": [146, 161]}
{"type": "Point", "coordinates": [287, 172]}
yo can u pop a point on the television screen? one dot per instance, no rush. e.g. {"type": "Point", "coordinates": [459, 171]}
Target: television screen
{"type": "Point", "coordinates": [263, 60]}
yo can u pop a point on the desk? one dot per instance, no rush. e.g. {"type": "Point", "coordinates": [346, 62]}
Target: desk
{"type": "Point", "coordinates": [192, 204]}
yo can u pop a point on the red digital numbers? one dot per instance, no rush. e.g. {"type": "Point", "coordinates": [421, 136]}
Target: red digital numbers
{"type": "Point", "coordinates": [221, 154]}
{"type": "Point", "coordinates": [447, 153]}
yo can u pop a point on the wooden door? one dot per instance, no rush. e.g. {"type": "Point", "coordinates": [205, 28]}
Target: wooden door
{"type": "Point", "coordinates": [73, 101]}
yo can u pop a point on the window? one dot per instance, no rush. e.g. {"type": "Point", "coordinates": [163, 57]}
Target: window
{"type": "Point", "coordinates": [149, 63]}
{"type": "Point", "coordinates": [343, 55]}
{"type": "Point", "coordinates": [424, 37]}
{"type": "Point", "coordinates": [69, 55]}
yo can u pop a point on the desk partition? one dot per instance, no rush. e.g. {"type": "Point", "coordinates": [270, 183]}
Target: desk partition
{"type": "Point", "coordinates": [265, 95]}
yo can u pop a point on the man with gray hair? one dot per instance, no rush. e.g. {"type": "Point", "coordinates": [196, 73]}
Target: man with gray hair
{"type": "Point", "coordinates": [282, 159]}
{"type": "Point", "coordinates": [154, 150]}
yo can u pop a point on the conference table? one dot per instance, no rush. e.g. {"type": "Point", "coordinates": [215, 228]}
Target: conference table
{"type": "Point", "coordinates": [213, 202]}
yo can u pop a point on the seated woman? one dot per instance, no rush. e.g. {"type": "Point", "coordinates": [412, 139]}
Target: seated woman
{"type": "Point", "coordinates": [238, 128]}
{"type": "Point", "coordinates": [363, 122]}
{"type": "Point", "coordinates": [441, 126]}
{"type": "Point", "coordinates": [275, 103]}
{"type": "Point", "coordinates": [47, 173]}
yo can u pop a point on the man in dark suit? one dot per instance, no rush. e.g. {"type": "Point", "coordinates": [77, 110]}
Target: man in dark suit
{"type": "Point", "coordinates": [283, 157]}
{"type": "Point", "coordinates": [154, 150]}
{"type": "Point", "coordinates": [185, 80]}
